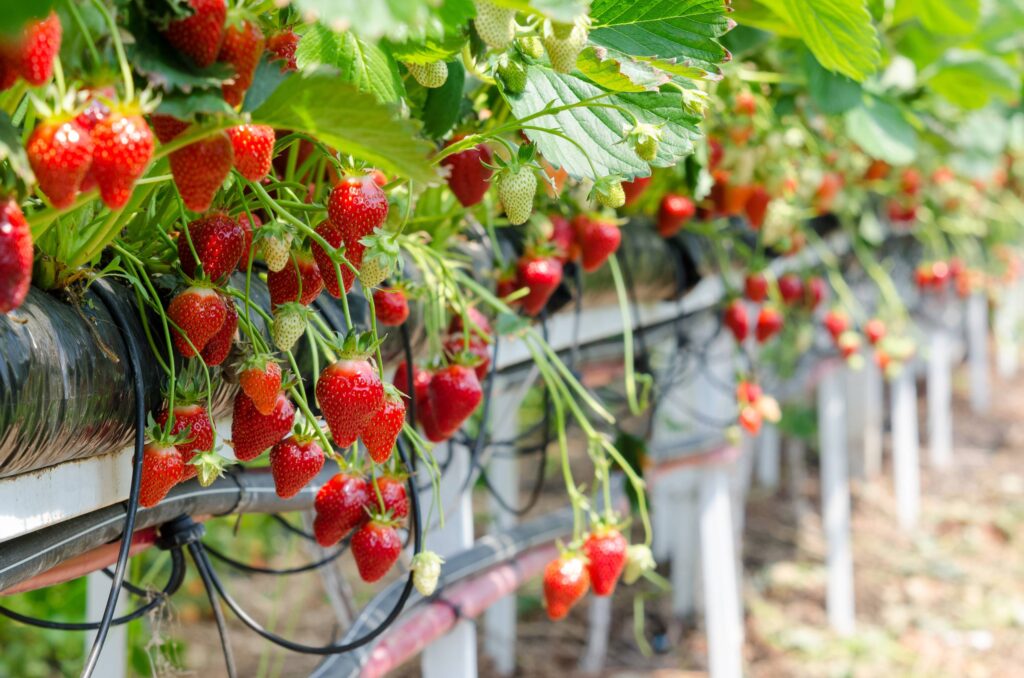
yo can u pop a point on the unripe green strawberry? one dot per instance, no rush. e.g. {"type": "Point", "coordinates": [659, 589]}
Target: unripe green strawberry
{"type": "Point", "coordinates": [495, 25]}
{"type": "Point", "coordinates": [531, 46]}
{"type": "Point", "coordinates": [638, 560]}
{"type": "Point", "coordinates": [289, 324]}
{"type": "Point", "coordinates": [513, 75]}
{"type": "Point", "coordinates": [276, 251]}
{"type": "Point", "coordinates": [608, 192]}
{"type": "Point", "coordinates": [645, 140]}
{"type": "Point", "coordinates": [516, 188]}
{"type": "Point", "coordinates": [373, 272]}
{"type": "Point", "coordinates": [426, 569]}
{"type": "Point", "coordinates": [563, 43]}
{"type": "Point", "coordinates": [431, 76]}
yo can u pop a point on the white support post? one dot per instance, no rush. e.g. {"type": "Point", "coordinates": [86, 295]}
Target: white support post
{"type": "Point", "coordinates": [872, 398]}
{"type": "Point", "coordinates": [113, 661]}
{"type": "Point", "coordinates": [940, 400]}
{"type": "Point", "coordinates": [835, 498]}
{"type": "Point", "coordinates": [454, 654]}
{"type": "Point", "coordinates": [592, 660]}
{"type": "Point", "coordinates": [855, 395]}
{"type": "Point", "coordinates": [683, 524]}
{"type": "Point", "coordinates": [768, 458]}
{"type": "Point", "coordinates": [977, 351]}
{"type": "Point", "coordinates": [796, 475]}
{"type": "Point", "coordinates": [905, 448]}
{"type": "Point", "coordinates": [1006, 319]}
{"type": "Point", "coordinates": [718, 560]}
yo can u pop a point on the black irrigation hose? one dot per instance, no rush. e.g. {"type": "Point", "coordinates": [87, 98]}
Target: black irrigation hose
{"type": "Point", "coordinates": [410, 373]}
{"type": "Point", "coordinates": [291, 528]}
{"type": "Point", "coordinates": [174, 580]}
{"type": "Point", "coordinates": [198, 553]}
{"type": "Point", "coordinates": [255, 569]}
{"type": "Point", "coordinates": [203, 563]}
{"type": "Point", "coordinates": [135, 362]}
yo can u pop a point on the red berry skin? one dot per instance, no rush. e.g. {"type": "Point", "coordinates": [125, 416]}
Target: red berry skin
{"type": "Point", "coordinates": [284, 285]}
{"type": "Point", "coordinates": [599, 240]}
{"type": "Point", "coordinates": [769, 322]}
{"type": "Point", "coordinates": [791, 289]}
{"type": "Point", "coordinates": [392, 491]}
{"type": "Point", "coordinates": [673, 213]}
{"type": "Point", "coordinates": [735, 318]}
{"type": "Point", "coordinates": [748, 392]}
{"type": "Point", "coordinates": [453, 394]}
{"type": "Point", "coordinates": [162, 469]}
{"type": "Point", "coordinates": [478, 323]}
{"type": "Point", "coordinates": [815, 291]}
{"type": "Point", "coordinates": [252, 432]}
{"type": "Point", "coordinates": [166, 127]}
{"type": "Point", "coordinates": [542, 276]}
{"type": "Point", "coordinates": [262, 386]}
{"type": "Point", "coordinates": [566, 581]}
{"type": "Point", "coordinates": [563, 237]}
{"type": "Point", "coordinates": [391, 307]}
{"type": "Point", "coordinates": [218, 241]}
{"type": "Point", "coordinates": [468, 178]}
{"type": "Point", "coordinates": [340, 506]}
{"type": "Point", "coordinates": [293, 463]}
{"type": "Point", "coordinates": [606, 552]}
{"type": "Point", "coordinates": [199, 36]}
{"type": "Point", "coordinates": [349, 393]}
{"type": "Point", "coordinates": [94, 112]}
{"type": "Point", "coordinates": [200, 168]}
{"type": "Point", "coordinates": [247, 225]}
{"type": "Point", "coordinates": [357, 205]}
{"type": "Point", "coordinates": [8, 67]}
{"type": "Point", "coordinates": [836, 322]}
{"type": "Point", "coordinates": [421, 380]}
{"type": "Point", "coordinates": [39, 46]}
{"type": "Point", "coordinates": [387, 423]}
{"type": "Point", "coordinates": [122, 148]}
{"type": "Point", "coordinates": [60, 153]}
{"type": "Point", "coordinates": [750, 419]}
{"type": "Point", "coordinates": [282, 45]}
{"type": "Point", "coordinates": [15, 256]}
{"type": "Point", "coordinates": [375, 548]}
{"type": "Point", "coordinates": [218, 348]}
{"type": "Point", "coordinates": [195, 419]}
{"type": "Point", "coordinates": [353, 252]}
{"type": "Point", "coordinates": [243, 44]}
{"type": "Point", "coordinates": [456, 344]}
{"type": "Point", "coordinates": [755, 287]}
{"type": "Point", "coordinates": [197, 315]}
{"type": "Point", "coordinates": [874, 329]}
{"type": "Point", "coordinates": [634, 189]}
{"type": "Point", "coordinates": [254, 150]}
{"type": "Point", "coordinates": [757, 206]}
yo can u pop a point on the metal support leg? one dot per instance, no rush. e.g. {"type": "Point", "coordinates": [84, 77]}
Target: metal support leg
{"type": "Point", "coordinates": [905, 449]}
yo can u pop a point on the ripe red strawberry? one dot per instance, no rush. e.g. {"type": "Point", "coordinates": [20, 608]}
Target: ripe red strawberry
{"type": "Point", "coordinates": [252, 432]}
{"type": "Point", "coordinates": [745, 103]}
{"type": "Point", "coordinates": [247, 229]}
{"type": "Point", "coordinates": [468, 177]}
{"type": "Point", "coordinates": [598, 241]}
{"type": "Point", "coordinates": [674, 211]}
{"type": "Point", "coordinates": [260, 379]}
{"type": "Point", "coordinates": [874, 329]}
{"type": "Point", "coordinates": [748, 392]}
{"type": "Point", "coordinates": [848, 344]}
{"type": "Point", "coordinates": [506, 285]}
{"type": "Point", "coordinates": [293, 463]}
{"type": "Point", "coordinates": [200, 168]}
{"type": "Point", "coordinates": [334, 236]}
{"type": "Point", "coordinates": [90, 116]}
{"type": "Point", "coordinates": [162, 469]}
{"type": "Point", "coordinates": [15, 255]}
{"type": "Point", "coordinates": [166, 127]}
{"type": "Point", "coordinates": [566, 581]}
{"type": "Point", "coordinates": [387, 423]}
{"type": "Point", "coordinates": [769, 322]}
{"type": "Point", "coordinates": [877, 170]}
{"type": "Point", "coordinates": [122, 148]}
{"type": "Point", "coordinates": [349, 393]}
{"type": "Point", "coordinates": [357, 205]}
{"type": "Point", "coordinates": [456, 344]}
{"type": "Point", "coordinates": [391, 306]}
{"type": "Point", "coordinates": [421, 382]}
{"type": "Point", "coordinates": [392, 491]}
{"type": "Point", "coordinates": [634, 189]}
{"type": "Point", "coordinates": [910, 181]}
{"type": "Point", "coordinates": [791, 289]}
{"type": "Point", "coordinates": [300, 272]}
{"type": "Point", "coordinates": [340, 505]}
{"type": "Point", "coordinates": [197, 314]}
{"type": "Point", "coordinates": [755, 287]}
{"type": "Point", "coordinates": [479, 324]}
{"type": "Point", "coordinates": [60, 153]}
{"type": "Point", "coordinates": [757, 206]}
{"type": "Point", "coordinates": [375, 548]}
{"type": "Point", "coordinates": [36, 49]}
{"type": "Point", "coordinates": [836, 322]}
{"type": "Point", "coordinates": [735, 318]}
{"type": "Point", "coordinates": [218, 241]}
{"type": "Point", "coordinates": [282, 45]}
{"type": "Point", "coordinates": [453, 394]}
{"type": "Point", "coordinates": [750, 419]}
{"type": "Point", "coordinates": [242, 47]}
{"type": "Point", "coordinates": [199, 36]}
{"type": "Point", "coordinates": [219, 346]}
{"type": "Point", "coordinates": [254, 150]}
{"type": "Point", "coordinates": [815, 291]}
{"type": "Point", "coordinates": [194, 419]}
{"type": "Point", "coordinates": [563, 239]}
{"type": "Point", "coordinates": [923, 276]}
{"type": "Point", "coordinates": [8, 67]}
{"type": "Point", "coordinates": [542, 276]}
{"type": "Point", "coordinates": [605, 549]}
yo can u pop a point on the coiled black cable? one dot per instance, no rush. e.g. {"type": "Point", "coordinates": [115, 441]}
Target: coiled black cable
{"type": "Point", "coordinates": [255, 569]}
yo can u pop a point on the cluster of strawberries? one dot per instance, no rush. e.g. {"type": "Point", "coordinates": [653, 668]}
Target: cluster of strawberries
{"type": "Point", "coordinates": [29, 56]}
{"type": "Point", "coordinates": [755, 407]}
{"type": "Point", "coordinates": [794, 292]}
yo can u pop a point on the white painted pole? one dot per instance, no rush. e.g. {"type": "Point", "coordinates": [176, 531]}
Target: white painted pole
{"type": "Point", "coordinates": [977, 351]}
{"type": "Point", "coordinates": [718, 561]}
{"type": "Point", "coordinates": [796, 475]}
{"type": "Point", "coordinates": [454, 654]}
{"type": "Point", "coordinates": [855, 394]}
{"type": "Point", "coordinates": [835, 499]}
{"type": "Point", "coordinates": [683, 524]}
{"type": "Point", "coordinates": [113, 660]}
{"type": "Point", "coordinates": [592, 660]}
{"type": "Point", "coordinates": [872, 398]}
{"type": "Point", "coordinates": [940, 400]}
{"type": "Point", "coordinates": [905, 448]}
{"type": "Point", "coordinates": [768, 458]}
{"type": "Point", "coordinates": [1006, 319]}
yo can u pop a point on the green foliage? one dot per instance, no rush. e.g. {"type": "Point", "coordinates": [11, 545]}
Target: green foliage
{"type": "Point", "coordinates": [971, 79]}
{"type": "Point", "coordinates": [397, 20]}
{"type": "Point", "coordinates": [615, 71]}
{"type": "Point", "coordinates": [15, 13]}
{"type": "Point", "coordinates": [881, 129]}
{"type": "Point", "coordinates": [11, 149]}
{"type": "Point", "coordinates": [443, 105]}
{"type": "Point", "coordinates": [360, 63]}
{"type": "Point", "coordinates": [941, 17]}
{"type": "Point", "coordinates": [831, 93]}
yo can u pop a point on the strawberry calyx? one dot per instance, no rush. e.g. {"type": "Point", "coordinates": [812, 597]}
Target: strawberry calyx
{"type": "Point", "coordinates": [358, 345]}
{"type": "Point", "coordinates": [209, 466]}
{"type": "Point", "coordinates": [162, 436]}
{"type": "Point", "coordinates": [522, 157]}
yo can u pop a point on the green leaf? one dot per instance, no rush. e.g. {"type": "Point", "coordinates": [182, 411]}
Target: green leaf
{"type": "Point", "coordinates": [752, 14]}
{"type": "Point", "coordinates": [971, 79]}
{"type": "Point", "coordinates": [840, 33]}
{"type": "Point", "coordinates": [681, 33]}
{"type": "Point", "coordinates": [615, 71]}
{"type": "Point", "coordinates": [12, 150]}
{"type": "Point", "coordinates": [428, 51]}
{"type": "Point", "coordinates": [187, 106]}
{"type": "Point", "coordinates": [832, 94]}
{"type": "Point", "coordinates": [397, 20]}
{"type": "Point", "coordinates": [598, 127]}
{"type": "Point", "coordinates": [15, 13]}
{"type": "Point", "coordinates": [349, 120]}
{"type": "Point", "coordinates": [557, 10]}
{"type": "Point", "coordinates": [267, 78]}
{"type": "Point", "coordinates": [941, 17]}
{"type": "Point", "coordinates": [444, 104]}
{"type": "Point", "coordinates": [360, 63]}
{"type": "Point", "coordinates": [879, 127]}
{"type": "Point", "coordinates": [165, 68]}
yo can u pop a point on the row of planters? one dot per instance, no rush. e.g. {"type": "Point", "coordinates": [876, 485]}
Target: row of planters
{"type": "Point", "coordinates": [281, 203]}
